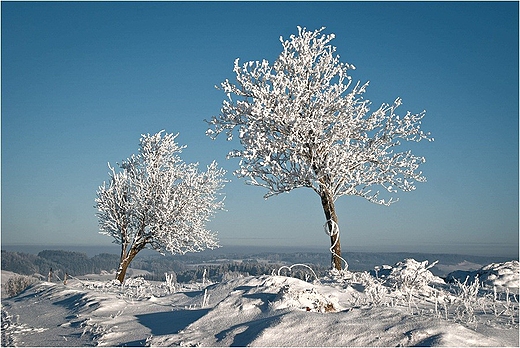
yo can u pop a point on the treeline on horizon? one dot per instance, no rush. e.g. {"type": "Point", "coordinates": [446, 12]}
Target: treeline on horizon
{"type": "Point", "coordinates": [79, 264]}
{"type": "Point", "coordinates": [194, 267]}
{"type": "Point", "coordinates": [73, 263]}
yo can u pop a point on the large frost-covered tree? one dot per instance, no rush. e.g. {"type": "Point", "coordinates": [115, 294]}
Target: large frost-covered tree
{"type": "Point", "coordinates": [302, 123]}
{"type": "Point", "coordinates": [159, 202]}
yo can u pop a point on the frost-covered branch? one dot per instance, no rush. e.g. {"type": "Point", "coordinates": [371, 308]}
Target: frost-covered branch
{"type": "Point", "coordinates": [160, 202]}
{"type": "Point", "coordinates": [302, 123]}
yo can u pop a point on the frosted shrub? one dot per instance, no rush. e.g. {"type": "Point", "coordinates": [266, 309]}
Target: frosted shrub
{"type": "Point", "coordinates": [308, 300]}
{"type": "Point", "coordinates": [136, 282]}
{"type": "Point", "coordinates": [134, 289]}
{"type": "Point", "coordinates": [377, 294]}
{"type": "Point", "coordinates": [411, 284]}
{"type": "Point", "coordinates": [371, 291]}
{"type": "Point", "coordinates": [18, 284]}
{"type": "Point", "coordinates": [504, 275]}
{"type": "Point", "coordinates": [489, 291]}
{"type": "Point", "coordinates": [501, 275]}
{"type": "Point", "coordinates": [171, 281]}
{"type": "Point", "coordinates": [309, 272]}
{"type": "Point", "coordinates": [471, 300]}
{"type": "Point", "coordinates": [412, 275]}
{"type": "Point", "coordinates": [137, 288]}
{"type": "Point", "coordinates": [467, 300]}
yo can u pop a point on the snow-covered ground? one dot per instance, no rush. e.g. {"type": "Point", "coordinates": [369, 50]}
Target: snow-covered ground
{"type": "Point", "coordinates": [405, 305]}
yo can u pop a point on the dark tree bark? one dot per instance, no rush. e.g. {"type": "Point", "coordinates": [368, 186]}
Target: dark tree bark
{"type": "Point", "coordinates": [126, 259]}
{"type": "Point", "coordinates": [332, 221]}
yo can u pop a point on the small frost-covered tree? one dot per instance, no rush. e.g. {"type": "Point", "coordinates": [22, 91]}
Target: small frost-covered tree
{"type": "Point", "coordinates": [302, 123]}
{"type": "Point", "coordinates": [159, 202]}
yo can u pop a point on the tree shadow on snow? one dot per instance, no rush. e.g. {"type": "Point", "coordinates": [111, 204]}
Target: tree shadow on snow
{"type": "Point", "coordinates": [192, 294]}
{"type": "Point", "coordinates": [249, 330]}
{"type": "Point", "coordinates": [435, 340]}
{"type": "Point", "coordinates": [76, 302]}
{"type": "Point", "coordinates": [30, 292]}
{"type": "Point", "coordinates": [169, 323]}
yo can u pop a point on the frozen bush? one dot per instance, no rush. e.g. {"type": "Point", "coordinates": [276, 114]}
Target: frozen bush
{"type": "Point", "coordinates": [309, 300]}
{"type": "Point", "coordinates": [137, 288]}
{"type": "Point", "coordinates": [308, 272]}
{"type": "Point", "coordinates": [15, 285]}
{"type": "Point", "coordinates": [505, 275]}
{"type": "Point", "coordinates": [412, 275]}
{"type": "Point", "coordinates": [501, 275]}
{"type": "Point", "coordinates": [467, 300]}
{"type": "Point", "coordinates": [171, 281]}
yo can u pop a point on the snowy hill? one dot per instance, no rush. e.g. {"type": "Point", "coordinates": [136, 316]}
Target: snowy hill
{"type": "Point", "coordinates": [405, 305]}
{"type": "Point", "coordinates": [502, 275]}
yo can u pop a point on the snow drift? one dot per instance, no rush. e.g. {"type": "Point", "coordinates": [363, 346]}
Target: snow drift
{"type": "Point", "coordinates": [404, 305]}
{"type": "Point", "coordinates": [501, 275]}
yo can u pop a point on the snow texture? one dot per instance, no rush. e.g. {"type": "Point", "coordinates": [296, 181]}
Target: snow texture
{"type": "Point", "coordinates": [405, 306]}
{"type": "Point", "coordinates": [502, 275]}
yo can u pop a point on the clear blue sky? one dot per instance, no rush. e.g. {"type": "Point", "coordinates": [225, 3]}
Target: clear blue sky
{"type": "Point", "coordinates": [81, 81]}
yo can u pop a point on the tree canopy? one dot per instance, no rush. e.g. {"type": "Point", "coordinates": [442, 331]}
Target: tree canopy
{"type": "Point", "coordinates": [303, 123]}
{"type": "Point", "coordinates": [158, 201]}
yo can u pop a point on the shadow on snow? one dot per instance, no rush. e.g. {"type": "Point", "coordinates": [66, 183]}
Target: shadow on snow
{"type": "Point", "coordinates": [249, 331]}
{"type": "Point", "coordinates": [169, 323]}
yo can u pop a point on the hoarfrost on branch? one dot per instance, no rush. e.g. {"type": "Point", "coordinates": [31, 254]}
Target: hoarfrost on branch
{"type": "Point", "coordinates": [303, 123]}
{"type": "Point", "coordinates": [158, 201]}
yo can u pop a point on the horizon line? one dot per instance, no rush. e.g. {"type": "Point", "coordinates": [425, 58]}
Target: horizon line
{"type": "Point", "coordinates": [352, 249]}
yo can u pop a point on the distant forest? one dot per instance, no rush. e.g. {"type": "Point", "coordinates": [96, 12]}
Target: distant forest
{"type": "Point", "coordinates": [193, 267]}
{"type": "Point", "coordinates": [71, 262]}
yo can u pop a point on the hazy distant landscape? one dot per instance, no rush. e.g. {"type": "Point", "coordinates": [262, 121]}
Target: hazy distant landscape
{"type": "Point", "coordinates": [76, 261]}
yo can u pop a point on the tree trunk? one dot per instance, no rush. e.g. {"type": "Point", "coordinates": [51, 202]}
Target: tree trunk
{"type": "Point", "coordinates": [126, 258]}
{"type": "Point", "coordinates": [332, 221]}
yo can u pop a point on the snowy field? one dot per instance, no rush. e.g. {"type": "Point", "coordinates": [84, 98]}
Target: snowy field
{"type": "Point", "coordinates": [402, 305]}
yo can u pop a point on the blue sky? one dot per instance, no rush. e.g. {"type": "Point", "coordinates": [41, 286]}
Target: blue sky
{"type": "Point", "coordinates": [81, 81]}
